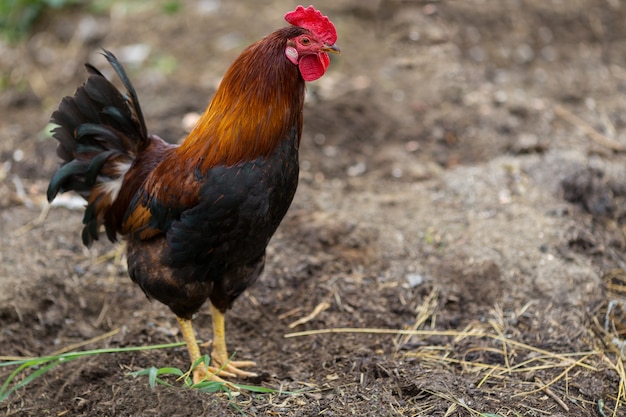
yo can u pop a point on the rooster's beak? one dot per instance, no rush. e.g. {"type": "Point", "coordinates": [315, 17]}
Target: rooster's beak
{"type": "Point", "coordinates": [334, 49]}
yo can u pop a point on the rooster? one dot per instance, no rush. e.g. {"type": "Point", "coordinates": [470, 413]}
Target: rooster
{"type": "Point", "coordinates": [196, 217]}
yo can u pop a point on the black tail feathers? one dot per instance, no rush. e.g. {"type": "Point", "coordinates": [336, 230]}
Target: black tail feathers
{"type": "Point", "coordinates": [100, 132]}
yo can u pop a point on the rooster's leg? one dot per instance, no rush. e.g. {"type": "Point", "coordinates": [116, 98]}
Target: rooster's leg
{"type": "Point", "coordinates": [200, 372]}
{"type": "Point", "coordinates": [220, 354]}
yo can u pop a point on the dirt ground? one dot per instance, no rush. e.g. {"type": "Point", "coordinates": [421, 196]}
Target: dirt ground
{"type": "Point", "coordinates": [463, 176]}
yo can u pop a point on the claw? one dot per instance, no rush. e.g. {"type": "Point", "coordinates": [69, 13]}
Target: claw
{"type": "Point", "coordinates": [231, 368]}
{"type": "Point", "coordinates": [213, 374]}
{"type": "Point", "coordinates": [222, 366]}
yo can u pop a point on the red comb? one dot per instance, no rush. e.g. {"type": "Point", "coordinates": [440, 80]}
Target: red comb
{"type": "Point", "coordinates": [314, 21]}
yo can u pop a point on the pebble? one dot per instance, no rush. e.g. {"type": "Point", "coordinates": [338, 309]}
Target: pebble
{"type": "Point", "coordinates": [414, 280]}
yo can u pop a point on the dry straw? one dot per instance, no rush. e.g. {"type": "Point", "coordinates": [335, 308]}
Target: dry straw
{"type": "Point", "coordinates": [524, 373]}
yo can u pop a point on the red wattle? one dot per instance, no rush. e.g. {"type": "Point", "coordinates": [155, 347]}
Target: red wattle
{"type": "Point", "coordinates": [313, 67]}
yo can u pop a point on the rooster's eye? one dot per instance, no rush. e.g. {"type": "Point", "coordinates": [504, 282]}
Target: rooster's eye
{"type": "Point", "coordinates": [305, 41]}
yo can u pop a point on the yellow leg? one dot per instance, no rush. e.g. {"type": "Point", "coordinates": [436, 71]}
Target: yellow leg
{"type": "Point", "coordinates": [200, 372]}
{"type": "Point", "coordinates": [220, 354]}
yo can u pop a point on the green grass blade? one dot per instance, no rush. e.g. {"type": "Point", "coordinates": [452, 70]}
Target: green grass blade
{"type": "Point", "coordinates": [73, 355]}
{"type": "Point", "coordinates": [29, 363]}
{"type": "Point", "coordinates": [140, 372]}
{"type": "Point", "coordinates": [152, 376]}
{"type": "Point", "coordinates": [202, 359]}
{"type": "Point", "coordinates": [171, 371]}
{"type": "Point", "coordinates": [262, 390]}
{"type": "Point", "coordinates": [29, 379]}
{"type": "Point", "coordinates": [210, 386]}
{"type": "Point", "coordinates": [9, 379]}
{"type": "Point", "coordinates": [48, 362]}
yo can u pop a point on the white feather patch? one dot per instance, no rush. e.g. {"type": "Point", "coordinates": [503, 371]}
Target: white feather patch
{"type": "Point", "coordinates": [112, 187]}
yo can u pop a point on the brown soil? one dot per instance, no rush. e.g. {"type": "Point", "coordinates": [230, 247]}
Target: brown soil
{"type": "Point", "coordinates": [463, 174]}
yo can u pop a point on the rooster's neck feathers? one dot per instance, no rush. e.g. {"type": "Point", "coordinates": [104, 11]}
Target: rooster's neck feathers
{"type": "Point", "coordinates": [258, 103]}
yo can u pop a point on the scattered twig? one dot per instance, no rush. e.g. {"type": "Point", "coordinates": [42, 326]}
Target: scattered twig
{"type": "Point", "coordinates": [103, 312]}
{"type": "Point", "coordinates": [552, 395]}
{"type": "Point", "coordinates": [423, 311]}
{"type": "Point", "coordinates": [540, 359]}
{"type": "Point", "coordinates": [324, 305]}
{"type": "Point", "coordinates": [35, 222]}
{"type": "Point", "coordinates": [289, 313]}
{"type": "Point", "coordinates": [618, 367]}
{"type": "Point", "coordinates": [470, 332]}
{"type": "Point", "coordinates": [114, 254]}
{"type": "Point", "coordinates": [588, 130]}
{"type": "Point", "coordinates": [75, 346]}
{"type": "Point", "coordinates": [378, 331]}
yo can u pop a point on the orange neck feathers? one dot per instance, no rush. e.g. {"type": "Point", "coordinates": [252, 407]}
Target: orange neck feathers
{"type": "Point", "coordinates": [259, 101]}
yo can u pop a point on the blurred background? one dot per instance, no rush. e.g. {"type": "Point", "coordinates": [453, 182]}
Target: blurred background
{"type": "Point", "coordinates": [462, 157]}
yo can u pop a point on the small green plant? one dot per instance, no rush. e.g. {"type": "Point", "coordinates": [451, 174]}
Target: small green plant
{"type": "Point", "coordinates": [36, 367]}
{"type": "Point", "coordinates": [33, 368]}
{"type": "Point", "coordinates": [154, 378]}
{"type": "Point", "coordinates": [18, 16]}
{"type": "Point", "coordinates": [172, 6]}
